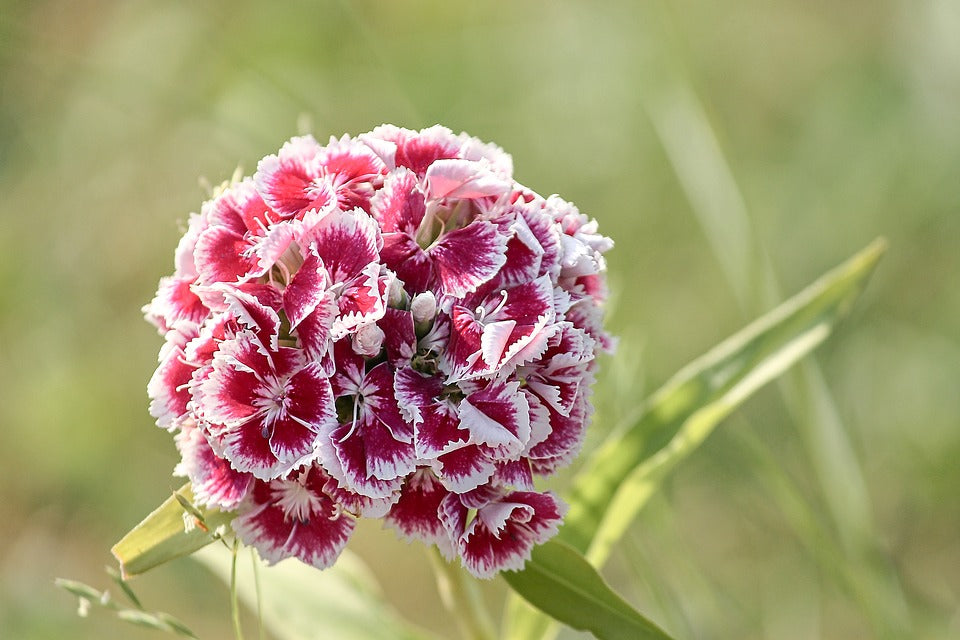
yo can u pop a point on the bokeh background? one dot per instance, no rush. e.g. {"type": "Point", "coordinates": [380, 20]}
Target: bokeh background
{"type": "Point", "coordinates": [724, 146]}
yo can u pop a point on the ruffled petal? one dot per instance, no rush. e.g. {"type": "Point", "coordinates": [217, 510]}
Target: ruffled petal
{"type": "Point", "coordinates": [400, 205]}
{"type": "Point", "coordinates": [503, 532]}
{"type": "Point", "coordinates": [214, 482]}
{"type": "Point", "coordinates": [416, 513]}
{"type": "Point", "coordinates": [466, 179]}
{"type": "Point", "coordinates": [293, 517]}
{"type": "Point", "coordinates": [466, 258]}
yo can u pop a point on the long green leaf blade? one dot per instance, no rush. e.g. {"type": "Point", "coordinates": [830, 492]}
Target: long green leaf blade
{"type": "Point", "coordinates": [161, 536]}
{"type": "Point", "coordinates": [617, 480]}
{"type": "Point", "coordinates": [560, 582]}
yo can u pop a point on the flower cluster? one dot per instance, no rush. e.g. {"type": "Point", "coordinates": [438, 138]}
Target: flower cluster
{"type": "Point", "coordinates": [386, 326]}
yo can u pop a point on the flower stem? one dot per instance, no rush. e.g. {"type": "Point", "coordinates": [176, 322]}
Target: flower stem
{"type": "Point", "coordinates": [462, 599]}
{"type": "Point", "coordinates": [234, 602]}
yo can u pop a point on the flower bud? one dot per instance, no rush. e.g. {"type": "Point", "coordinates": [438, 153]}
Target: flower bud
{"type": "Point", "coordinates": [424, 310]}
{"type": "Point", "coordinates": [367, 340]}
{"type": "Point", "coordinates": [396, 296]}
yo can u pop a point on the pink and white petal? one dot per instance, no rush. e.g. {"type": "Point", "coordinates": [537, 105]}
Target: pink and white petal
{"type": "Point", "coordinates": [399, 206]}
{"type": "Point", "coordinates": [399, 336]}
{"type": "Point", "coordinates": [183, 256]}
{"type": "Point", "coordinates": [215, 483]}
{"type": "Point", "coordinates": [168, 388]}
{"type": "Point", "coordinates": [384, 148]}
{"type": "Point", "coordinates": [223, 255]}
{"type": "Point", "coordinates": [293, 517]}
{"type": "Point", "coordinates": [503, 534]}
{"type": "Point", "coordinates": [466, 258]}
{"type": "Point", "coordinates": [370, 453]}
{"type": "Point", "coordinates": [349, 160]}
{"type": "Point", "coordinates": [523, 255]}
{"type": "Point", "coordinates": [314, 331]}
{"type": "Point", "coordinates": [566, 435]}
{"type": "Point", "coordinates": [228, 394]}
{"type": "Point", "coordinates": [252, 315]}
{"type": "Point", "coordinates": [363, 300]}
{"type": "Point", "coordinates": [357, 504]}
{"type": "Point", "coordinates": [540, 427]}
{"type": "Point", "coordinates": [287, 181]}
{"type": "Point", "coordinates": [516, 473]}
{"type": "Point", "coordinates": [279, 246]}
{"type": "Point", "coordinates": [382, 402]}
{"type": "Point", "coordinates": [175, 304]}
{"type": "Point", "coordinates": [497, 416]}
{"type": "Point", "coordinates": [416, 513]}
{"type": "Point", "coordinates": [320, 541]}
{"type": "Point", "coordinates": [494, 341]}
{"type": "Point", "coordinates": [467, 179]}
{"type": "Point", "coordinates": [402, 255]}
{"type": "Point", "coordinates": [440, 432]}
{"type": "Point", "coordinates": [291, 442]}
{"type": "Point", "coordinates": [491, 154]}
{"type": "Point", "coordinates": [247, 447]}
{"type": "Point", "coordinates": [414, 392]}
{"type": "Point", "coordinates": [306, 289]}
{"type": "Point", "coordinates": [418, 150]}
{"type": "Point", "coordinates": [347, 242]}
{"type": "Point", "coordinates": [464, 469]}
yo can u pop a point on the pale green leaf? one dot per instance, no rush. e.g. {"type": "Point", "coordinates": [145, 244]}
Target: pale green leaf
{"type": "Point", "coordinates": [299, 602]}
{"type": "Point", "coordinates": [560, 582]}
{"type": "Point", "coordinates": [162, 536]}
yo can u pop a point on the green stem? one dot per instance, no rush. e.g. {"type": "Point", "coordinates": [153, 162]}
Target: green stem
{"type": "Point", "coordinates": [462, 599]}
{"type": "Point", "coordinates": [256, 581]}
{"type": "Point", "coordinates": [234, 602]}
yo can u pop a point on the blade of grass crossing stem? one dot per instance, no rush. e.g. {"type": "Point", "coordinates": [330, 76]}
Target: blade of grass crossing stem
{"type": "Point", "coordinates": [684, 411]}
{"type": "Point", "coordinates": [163, 536]}
{"type": "Point", "coordinates": [560, 582]}
{"type": "Point", "coordinates": [618, 479]}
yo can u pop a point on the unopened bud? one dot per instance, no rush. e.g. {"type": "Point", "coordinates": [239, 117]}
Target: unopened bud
{"type": "Point", "coordinates": [424, 310]}
{"type": "Point", "coordinates": [368, 340]}
{"type": "Point", "coordinates": [424, 307]}
{"type": "Point", "coordinates": [396, 296]}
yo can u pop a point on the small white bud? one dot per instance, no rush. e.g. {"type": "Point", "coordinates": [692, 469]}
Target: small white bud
{"type": "Point", "coordinates": [424, 307]}
{"type": "Point", "coordinates": [83, 608]}
{"type": "Point", "coordinates": [396, 296]}
{"type": "Point", "coordinates": [368, 340]}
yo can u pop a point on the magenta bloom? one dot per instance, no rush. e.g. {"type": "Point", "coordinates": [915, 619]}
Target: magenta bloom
{"type": "Point", "coordinates": [386, 326]}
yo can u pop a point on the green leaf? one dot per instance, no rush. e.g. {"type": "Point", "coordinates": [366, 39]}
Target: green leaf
{"type": "Point", "coordinates": [299, 602]}
{"type": "Point", "coordinates": [162, 536]}
{"type": "Point", "coordinates": [560, 582]}
{"type": "Point", "coordinates": [620, 477]}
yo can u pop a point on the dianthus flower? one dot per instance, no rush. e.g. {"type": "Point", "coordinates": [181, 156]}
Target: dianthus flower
{"type": "Point", "coordinates": [388, 326]}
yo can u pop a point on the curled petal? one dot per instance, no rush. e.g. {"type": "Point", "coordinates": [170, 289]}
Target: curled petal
{"type": "Point", "coordinates": [467, 179]}
{"type": "Point", "coordinates": [503, 532]}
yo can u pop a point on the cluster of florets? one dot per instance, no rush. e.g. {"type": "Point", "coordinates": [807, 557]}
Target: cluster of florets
{"type": "Point", "coordinates": [387, 326]}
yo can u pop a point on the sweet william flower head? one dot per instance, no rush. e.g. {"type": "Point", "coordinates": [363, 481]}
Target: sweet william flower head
{"type": "Point", "coordinates": [385, 326]}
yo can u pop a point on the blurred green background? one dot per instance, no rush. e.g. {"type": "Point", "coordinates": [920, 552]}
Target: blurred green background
{"type": "Point", "coordinates": [719, 144]}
